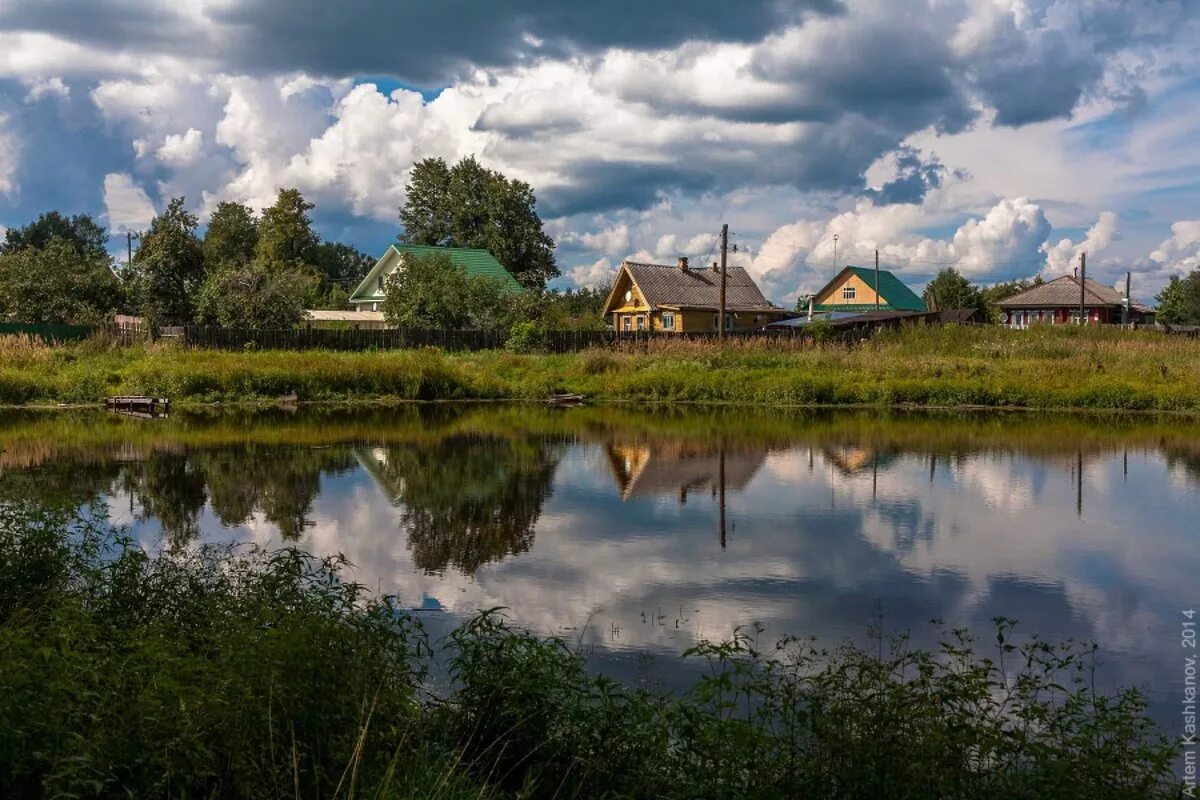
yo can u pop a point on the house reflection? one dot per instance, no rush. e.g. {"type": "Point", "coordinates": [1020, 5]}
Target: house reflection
{"type": "Point", "coordinates": [677, 469]}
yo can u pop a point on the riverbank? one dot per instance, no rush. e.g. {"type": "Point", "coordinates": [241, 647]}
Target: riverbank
{"type": "Point", "coordinates": [1046, 368]}
{"type": "Point", "coordinates": [219, 672]}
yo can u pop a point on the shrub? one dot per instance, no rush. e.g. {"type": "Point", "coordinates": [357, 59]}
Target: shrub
{"type": "Point", "coordinates": [526, 337]}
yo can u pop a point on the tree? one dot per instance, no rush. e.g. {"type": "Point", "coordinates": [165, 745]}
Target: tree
{"type": "Point", "coordinates": [232, 236]}
{"type": "Point", "coordinates": [430, 291]}
{"type": "Point", "coordinates": [168, 269]}
{"type": "Point", "coordinates": [1179, 301]}
{"type": "Point", "coordinates": [81, 232]}
{"type": "Point", "coordinates": [341, 268]}
{"type": "Point", "coordinates": [468, 205]}
{"type": "Point", "coordinates": [950, 290]}
{"type": "Point", "coordinates": [286, 239]}
{"type": "Point", "coordinates": [252, 295]}
{"type": "Point", "coordinates": [57, 283]}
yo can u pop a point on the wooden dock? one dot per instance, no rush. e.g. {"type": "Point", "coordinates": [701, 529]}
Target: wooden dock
{"type": "Point", "coordinates": [139, 405]}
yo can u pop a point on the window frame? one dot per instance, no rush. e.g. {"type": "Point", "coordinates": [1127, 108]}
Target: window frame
{"type": "Point", "coordinates": [668, 320]}
{"type": "Point", "coordinates": [849, 292]}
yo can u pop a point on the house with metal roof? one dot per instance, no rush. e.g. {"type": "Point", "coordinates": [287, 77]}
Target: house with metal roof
{"type": "Point", "coordinates": [859, 289]}
{"type": "Point", "coordinates": [1057, 302]}
{"type": "Point", "coordinates": [475, 262]}
{"type": "Point", "coordinates": [685, 299]}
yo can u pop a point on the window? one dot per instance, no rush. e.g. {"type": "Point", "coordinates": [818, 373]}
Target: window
{"type": "Point", "coordinates": [729, 322]}
{"type": "Point", "coordinates": [374, 306]}
{"type": "Point", "coordinates": [848, 292]}
{"type": "Point", "coordinates": [626, 323]}
{"type": "Point", "coordinates": [716, 325]}
{"type": "Point", "coordinates": [668, 321]}
{"type": "Point", "coordinates": [641, 323]}
{"type": "Point", "coordinates": [379, 283]}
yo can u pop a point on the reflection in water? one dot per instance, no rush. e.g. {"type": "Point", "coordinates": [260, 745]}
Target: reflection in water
{"type": "Point", "coordinates": [664, 527]}
{"type": "Point", "coordinates": [466, 500]}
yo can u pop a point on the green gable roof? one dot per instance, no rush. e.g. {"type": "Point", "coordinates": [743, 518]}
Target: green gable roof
{"type": "Point", "coordinates": [477, 263]}
{"type": "Point", "coordinates": [896, 296]}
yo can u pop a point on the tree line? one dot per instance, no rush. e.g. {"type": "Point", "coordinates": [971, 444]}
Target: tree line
{"type": "Point", "coordinates": [262, 271]}
{"type": "Point", "coordinates": [247, 270]}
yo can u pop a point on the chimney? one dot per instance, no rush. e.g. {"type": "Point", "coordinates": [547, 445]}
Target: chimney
{"type": "Point", "coordinates": [683, 265]}
{"type": "Point", "coordinates": [716, 267]}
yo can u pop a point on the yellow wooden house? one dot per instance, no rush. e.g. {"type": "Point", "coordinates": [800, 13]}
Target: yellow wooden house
{"type": "Point", "coordinates": [853, 290]}
{"type": "Point", "coordinates": [682, 299]}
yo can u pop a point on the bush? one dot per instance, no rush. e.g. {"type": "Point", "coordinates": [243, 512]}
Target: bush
{"type": "Point", "coordinates": [220, 672]}
{"type": "Point", "coordinates": [526, 337]}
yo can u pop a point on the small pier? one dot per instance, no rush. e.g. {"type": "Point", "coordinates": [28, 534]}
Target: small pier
{"type": "Point", "coordinates": [565, 399]}
{"type": "Point", "coordinates": [139, 405]}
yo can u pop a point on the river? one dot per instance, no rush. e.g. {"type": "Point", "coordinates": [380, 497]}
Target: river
{"type": "Point", "coordinates": [638, 532]}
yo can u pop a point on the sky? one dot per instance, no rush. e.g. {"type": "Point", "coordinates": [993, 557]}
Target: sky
{"type": "Point", "coordinates": [1001, 137]}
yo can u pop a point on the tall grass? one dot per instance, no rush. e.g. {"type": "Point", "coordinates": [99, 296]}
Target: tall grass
{"type": "Point", "coordinates": [242, 673]}
{"type": "Point", "coordinates": [1061, 367]}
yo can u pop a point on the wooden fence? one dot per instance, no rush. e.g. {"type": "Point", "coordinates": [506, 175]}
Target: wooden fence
{"type": "Point", "coordinates": [462, 340]}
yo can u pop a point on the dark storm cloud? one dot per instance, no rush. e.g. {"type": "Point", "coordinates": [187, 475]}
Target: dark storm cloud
{"type": "Point", "coordinates": [914, 177]}
{"type": "Point", "coordinates": [110, 24]}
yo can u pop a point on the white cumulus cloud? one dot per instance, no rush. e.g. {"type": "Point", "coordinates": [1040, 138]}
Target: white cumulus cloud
{"type": "Point", "coordinates": [126, 204]}
{"type": "Point", "coordinates": [41, 88]}
{"type": "Point", "coordinates": [180, 149]}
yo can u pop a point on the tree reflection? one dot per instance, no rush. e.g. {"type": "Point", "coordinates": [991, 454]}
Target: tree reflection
{"type": "Point", "coordinates": [467, 500]}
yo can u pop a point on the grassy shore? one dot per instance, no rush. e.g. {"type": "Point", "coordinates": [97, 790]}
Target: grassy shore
{"type": "Point", "coordinates": [1047, 368]}
{"type": "Point", "coordinates": [209, 672]}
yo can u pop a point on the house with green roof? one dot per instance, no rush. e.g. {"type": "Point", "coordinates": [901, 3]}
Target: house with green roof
{"type": "Point", "coordinates": [854, 290]}
{"type": "Point", "coordinates": [477, 263]}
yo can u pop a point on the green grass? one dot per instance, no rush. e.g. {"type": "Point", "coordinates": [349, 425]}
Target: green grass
{"type": "Point", "coordinates": [1047, 368]}
{"type": "Point", "coordinates": [214, 672]}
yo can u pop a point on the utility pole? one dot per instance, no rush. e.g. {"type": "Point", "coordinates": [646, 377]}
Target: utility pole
{"type": "Point", "coordinates": [129, 248]}
{"type": "Point", "coordinates": [877, 280]}
{"type": "Point", "coordinates": [1082, 284]}
{"type": "Point", "coordinates": [1127, 306]}
{"type": "Point", "coordinates": [724, 256]}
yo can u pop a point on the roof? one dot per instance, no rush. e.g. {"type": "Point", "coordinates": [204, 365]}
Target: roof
{"type": "Point", "coordinates": [476, 262]}
{"type": "Point", "coordinates": [330, 315]}
{"type": "Point", "coordinates": [663, 285]}
{"type": "Point", "coordinates": [896, 295]}
{"type": "Point", "coordinates": [1064, 291]}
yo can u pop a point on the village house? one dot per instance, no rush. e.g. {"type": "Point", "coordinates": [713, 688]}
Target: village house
{"type": "Point", "coordinates": [683, 299]}
{"type": "Point", "coordinates": [1057, 302]}
{"type": "Point", "coordinates": [853, 290]}
{"type": "Point", "coordinates": [370, 294]}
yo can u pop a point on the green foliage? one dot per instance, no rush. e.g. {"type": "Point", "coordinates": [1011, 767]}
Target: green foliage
{"type": "Point", "coordinates": [216, 672]}
{"type": "Point", "coordinates": [467, 205]}
{"type": "Point", "coordinates": [232, 236]}
{"type": "Point", "coordinates": [168, 267]}
{"type": "Point", "coordinates": [57, 283]}
{"type": "Point", "coordinates": [1179, 302]}
{"type": "Point", "coordinates": [526, 337]}
{"type": "Point", "coordinates": [286, 240]}
{"type": "Point", "coordinates": [86, 237]}
{"type": "Point", "coordinates": [431, 291]}
{"type": "Point", "coordinates": [342, 264]}
{"type": "Point", "coordinates": [950, 290]}
{"type": "Point", "coordinates": [250, 295]}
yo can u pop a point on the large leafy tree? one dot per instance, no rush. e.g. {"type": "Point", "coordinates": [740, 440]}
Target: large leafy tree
{"type": "Point", "coordinates": [286, 239]}
{"type": "Point", "coordinates": [950, 290]}
{"type": "Point", "coordinates": [57, 283]}
{"type": "Point", "coordinates": [430, 291]}
{"type": "Point", "coordinates": [232, 236]}
{"type": "Point", "coordinates": [168, 268]}
{"type": "Point", "coordinates": [252, 295]}
{"type": "Point", "coordinates": [467, 205]}
{"type": "Point", "coordinates": [1179, 301]}
{"type": "Point", "coordinates": [81, 232]}
{"type": "Point", "coordinates": [341, 268]}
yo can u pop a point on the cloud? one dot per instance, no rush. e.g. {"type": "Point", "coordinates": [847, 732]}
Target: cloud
{"type": "Point", "coordinates": [180, 149]}
{"type": "Point", "coordinates": [1180, 253]}
{"type": "Point", "coordinates": [8, 158]}
{"type": "Point", "coordinates": [1007, 240]}
{"type": "Point", "coordinates": [42, 88]}
{"type": "Point", "coordinates": [1063, 257]}
{"type": "Point", "coordinates": [126, 204]}
{"type": "Point", "coordinates": [598, 273]}
{"type": "Point", "coordinates": [914, 178]}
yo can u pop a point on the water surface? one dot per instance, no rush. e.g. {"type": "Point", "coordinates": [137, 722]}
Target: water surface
{"type": "Point", "coordinates": [639, 532]}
